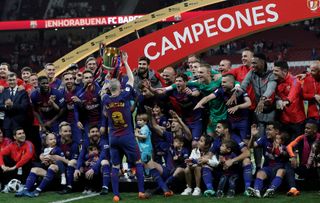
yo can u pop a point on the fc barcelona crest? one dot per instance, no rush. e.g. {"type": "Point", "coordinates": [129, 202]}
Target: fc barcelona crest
{"type": "Point", "coordinates": [313, 5]}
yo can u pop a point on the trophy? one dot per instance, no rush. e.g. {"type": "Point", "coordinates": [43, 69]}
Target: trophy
{"type": "Point", "coordinates": [111, 62]}
{"type": "Point", "coordinates": [111, 57]}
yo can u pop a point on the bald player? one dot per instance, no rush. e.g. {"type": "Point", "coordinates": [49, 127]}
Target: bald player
{"type": "Point", "coordinates": [224, 66]}
{"type": "Point", "coordinates": [169, 75]}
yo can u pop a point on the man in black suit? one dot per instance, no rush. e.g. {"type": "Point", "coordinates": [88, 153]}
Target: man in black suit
{"type": "Point", "coordinates": [14, 104]}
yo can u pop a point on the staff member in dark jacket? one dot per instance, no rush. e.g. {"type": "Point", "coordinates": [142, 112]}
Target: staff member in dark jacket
{"type": "Point", "coordinates": [14, 104]}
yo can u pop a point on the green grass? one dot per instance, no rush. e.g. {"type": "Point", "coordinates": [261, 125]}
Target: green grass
{"type": "Point", "coordinates": [307, 197]}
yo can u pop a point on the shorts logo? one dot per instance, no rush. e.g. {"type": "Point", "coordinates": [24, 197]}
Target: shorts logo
{"type": "Point", "coordinates": [313, 5]}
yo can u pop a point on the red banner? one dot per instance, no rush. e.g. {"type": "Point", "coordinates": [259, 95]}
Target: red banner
{"type": "Point", "coordinates": [169, 45]}
{"type": "Point", "coordinates": [66, 22]}
{"type": "Point", "coordinates": [85, 22]}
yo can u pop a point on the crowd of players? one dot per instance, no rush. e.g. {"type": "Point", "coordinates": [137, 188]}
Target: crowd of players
{"type": "Point", "coordinates": [212, 129]}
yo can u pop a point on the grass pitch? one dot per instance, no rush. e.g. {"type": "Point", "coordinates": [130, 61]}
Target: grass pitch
{"type": "Point", "coordinates": [307, 197]}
